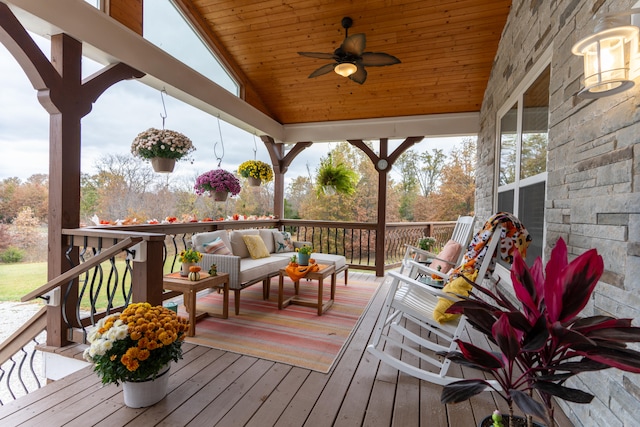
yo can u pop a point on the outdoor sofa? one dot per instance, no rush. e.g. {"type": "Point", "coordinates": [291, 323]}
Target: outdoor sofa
{"type": "Point", "coordinates": [248, 262]}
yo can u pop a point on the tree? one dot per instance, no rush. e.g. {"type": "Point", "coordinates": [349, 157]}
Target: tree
{"type": "Point", "coordinates": [297, 191]}
{"type": "Point", "coordinates": [408, 186]}
{"type": "Point", "coordinates": [429, 173]}
{"type": "Point", "coordinates": [457, 192]}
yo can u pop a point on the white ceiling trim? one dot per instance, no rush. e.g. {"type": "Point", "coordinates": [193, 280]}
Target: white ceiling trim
{"type": "Point", "coordinates": [431, 126]}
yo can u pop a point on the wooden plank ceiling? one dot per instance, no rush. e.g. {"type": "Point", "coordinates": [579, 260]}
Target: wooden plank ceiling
{"type": "Point", "coordinates": [447, 48]}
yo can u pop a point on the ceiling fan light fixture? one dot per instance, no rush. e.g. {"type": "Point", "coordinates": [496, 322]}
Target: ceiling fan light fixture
{"type": "Point", "coordinates": [345, 69]}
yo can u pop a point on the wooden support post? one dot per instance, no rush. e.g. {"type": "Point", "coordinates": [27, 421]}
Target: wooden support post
{"type": "Point", "coordinates": [67, 99]}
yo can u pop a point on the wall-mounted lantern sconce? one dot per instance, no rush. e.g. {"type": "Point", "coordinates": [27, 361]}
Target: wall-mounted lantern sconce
{"type": "Point", "coordinates": [611, 56]}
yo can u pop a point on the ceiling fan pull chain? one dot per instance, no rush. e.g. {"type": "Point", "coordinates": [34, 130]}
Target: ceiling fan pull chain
{"type": "Point", "coordinates": [215, 145]}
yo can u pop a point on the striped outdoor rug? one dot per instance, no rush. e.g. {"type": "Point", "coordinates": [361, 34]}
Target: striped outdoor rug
{"type": "Point", "coordinates": [295, 335]}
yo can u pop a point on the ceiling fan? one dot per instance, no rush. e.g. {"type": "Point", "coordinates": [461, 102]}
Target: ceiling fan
{"type": "Point", "coordinates": [350, 58]}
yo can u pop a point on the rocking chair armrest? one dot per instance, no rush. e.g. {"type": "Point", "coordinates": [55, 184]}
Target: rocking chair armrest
{"type": "Point", "coordinates": [415, 249]}
{"type": "Point", "coordinates": [426, 270]}
{"type": "Point", "coordinates": [430, 289]}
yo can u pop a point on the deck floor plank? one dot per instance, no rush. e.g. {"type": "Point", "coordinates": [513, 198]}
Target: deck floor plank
{"type": "Point", "coordinates": [251, 401]}
{"type": "Point", "coordinates": [212, 387]}
{"type": "Point", "coordinates": [279, 399]}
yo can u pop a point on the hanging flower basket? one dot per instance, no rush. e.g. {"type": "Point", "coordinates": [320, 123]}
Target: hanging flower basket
{"type": "Point", "coordinates": [256, 172]}
{"type": "Point", "coordinates": [218, 180]}
{"type": "Point", "coordinates": [162, 164]}
{"type": "Point", "coordinates": [162, 147]}
{"type": "Point", "coordinates": [219, 196]}
{"type": "Point", "coordinates": [333, 179]}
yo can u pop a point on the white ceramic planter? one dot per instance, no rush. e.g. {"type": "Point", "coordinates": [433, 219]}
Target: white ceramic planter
{"type": "Point", "coordinates": [141, 394]}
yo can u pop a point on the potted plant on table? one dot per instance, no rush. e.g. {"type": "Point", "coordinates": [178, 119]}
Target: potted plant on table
{"type": "Point", "coordinates": [188, 258]}
{"type": "Point", "coordinates": [218, 183]}
{"type": "Point", "coordinates": [542, 342]}
{"type": "Point", "coordinates": [256, 172]}
{"type": "Point", "coordinates": [136, 348]}
{"type": "Point", "coordinates": [426, 243]}
{"type": "Point", "coordinates": [162, 147]}
{"type": "Point", "coordinates": [304, 254]}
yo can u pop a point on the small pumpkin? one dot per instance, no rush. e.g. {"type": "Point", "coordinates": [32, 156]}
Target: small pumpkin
{"type": "Point", "coordinates": [194, 276]}
{"type": "Point", "coordinates": [312, 260]}
{"type": "Point", "coordinates": [195, 268]}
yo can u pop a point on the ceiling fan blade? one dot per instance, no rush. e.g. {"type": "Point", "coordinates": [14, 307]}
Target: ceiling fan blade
{"type": "Point", "coordinates": [378, 59]}
{"type": "Point", "coordinates": [318, 55]}
{"type": "Point", "coordinates": [360, 75]}
{"type": "Point", "coordinates": [354, 44]}
{"type": "Point", "coordinates": [322, 70]}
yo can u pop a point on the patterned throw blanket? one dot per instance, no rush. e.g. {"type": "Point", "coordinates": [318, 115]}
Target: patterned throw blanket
{"type": "Point", "coordinates": [514, 236]}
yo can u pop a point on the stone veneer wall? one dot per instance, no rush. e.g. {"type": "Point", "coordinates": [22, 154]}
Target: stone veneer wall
{"type": "Point", "coordinates": [593, 185]}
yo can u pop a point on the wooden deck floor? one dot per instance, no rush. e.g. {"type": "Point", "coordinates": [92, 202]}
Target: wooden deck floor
{"type": "Point", "coordinates": [215, 388]}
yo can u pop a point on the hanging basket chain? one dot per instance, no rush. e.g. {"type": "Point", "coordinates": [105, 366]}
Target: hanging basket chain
{"type": "Point", "coordinates": [255, 148]}
{"type": "Point", "coordinates": [215, 145]}
{"type": "Point", "coordinates": [164, 107]}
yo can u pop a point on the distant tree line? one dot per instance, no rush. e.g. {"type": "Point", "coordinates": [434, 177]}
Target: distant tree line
{"type": "Point", "coordinates": [432, 187]}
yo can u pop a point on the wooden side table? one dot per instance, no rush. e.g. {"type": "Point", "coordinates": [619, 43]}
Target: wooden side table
{"type": "Point", "coordinates": [320, 275]}
{"type": "Point", "coordinates": [190, 288]}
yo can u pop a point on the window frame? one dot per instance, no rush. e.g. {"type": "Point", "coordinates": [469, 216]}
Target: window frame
{"type": "Point", "coordinates": [516, 99]}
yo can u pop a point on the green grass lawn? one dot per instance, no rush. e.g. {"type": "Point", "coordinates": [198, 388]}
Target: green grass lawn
{"type": "Point", "coordinates": [17, 280]}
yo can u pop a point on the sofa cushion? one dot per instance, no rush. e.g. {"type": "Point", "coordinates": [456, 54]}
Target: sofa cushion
{"type": "Point", "coordinates": [198, 240]}
{"type": "Point", "coordinates": [267, 237]}
{"type": "Point", "coordinates": [283, 242]}
{"type": "Point", "coordinates": [238, 247]}
{"type": "Point", "coordinates": [338, 260]}
{"type": "Point", "coordinates": [216, 247]}
{"type": "Point", "coordinates": [255, 246]}
{"type": "Point", "coordinates": [252, 270]}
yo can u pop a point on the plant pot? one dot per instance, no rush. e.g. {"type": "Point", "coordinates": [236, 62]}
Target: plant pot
{"type": "Point", "coordinates": [329, 190]}
{"type": "Point", "coordinates": [184, 270]}
{"type": "Point", "coordinates": [303, 259]}
{"type": "Point", "coordinates": [254, 182]}
{"type": "Point", "coordinates": [518, 422]}
{"type": "Point", "coordinates": [163, 165]}
{"type": "Point", "coordinates": [140, 394]}
{"type": "Point", "coordinates": [219, 196]}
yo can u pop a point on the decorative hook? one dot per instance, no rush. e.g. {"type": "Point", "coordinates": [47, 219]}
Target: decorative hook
{"type": "Point", "coordinates": [215, 151]}
{"type": "Point", "coordinates": [164, 107]}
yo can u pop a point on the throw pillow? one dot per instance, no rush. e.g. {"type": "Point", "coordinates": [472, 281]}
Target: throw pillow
{"type": "Point", "coordinates": [450, 252]}
{"type": "Point", "coordinates": [217, 247]}
{"type": "Point", "coordinates": [283, 241]}
{"type": "Point", "coordinates": [457, 286]}
{"type": "Point", "coordinates": [255, 245]}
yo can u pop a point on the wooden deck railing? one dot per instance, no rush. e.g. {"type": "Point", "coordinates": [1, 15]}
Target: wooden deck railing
{"type": "Point", "coordinates": [134, 274]}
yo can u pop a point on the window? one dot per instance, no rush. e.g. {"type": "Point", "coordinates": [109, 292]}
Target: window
{"type": "Point", "coordinates": [522, 157]}
{"type": "Point", "coordinates": [165, 27]}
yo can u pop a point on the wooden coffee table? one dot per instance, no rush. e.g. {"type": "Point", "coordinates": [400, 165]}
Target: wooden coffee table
{"type": "Point", "coordinates": [320, 275]}
{"type": "Point", "coordinates": [190, 288]}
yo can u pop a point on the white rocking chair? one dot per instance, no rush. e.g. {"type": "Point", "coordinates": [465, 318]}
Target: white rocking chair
{"type": "Point", "coordinates": [414, 302]}
{"type": "Point", "coordinates": [461, 234]}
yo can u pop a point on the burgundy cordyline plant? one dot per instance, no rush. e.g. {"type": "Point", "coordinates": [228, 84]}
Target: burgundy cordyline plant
{"type": "Point", "coordinates": [217, 180]}
{"type": "Point", "coordinates": [542, 342]}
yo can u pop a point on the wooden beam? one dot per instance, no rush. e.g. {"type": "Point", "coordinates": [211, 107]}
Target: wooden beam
{"type": "Point", "coordinates": [281, 163]}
